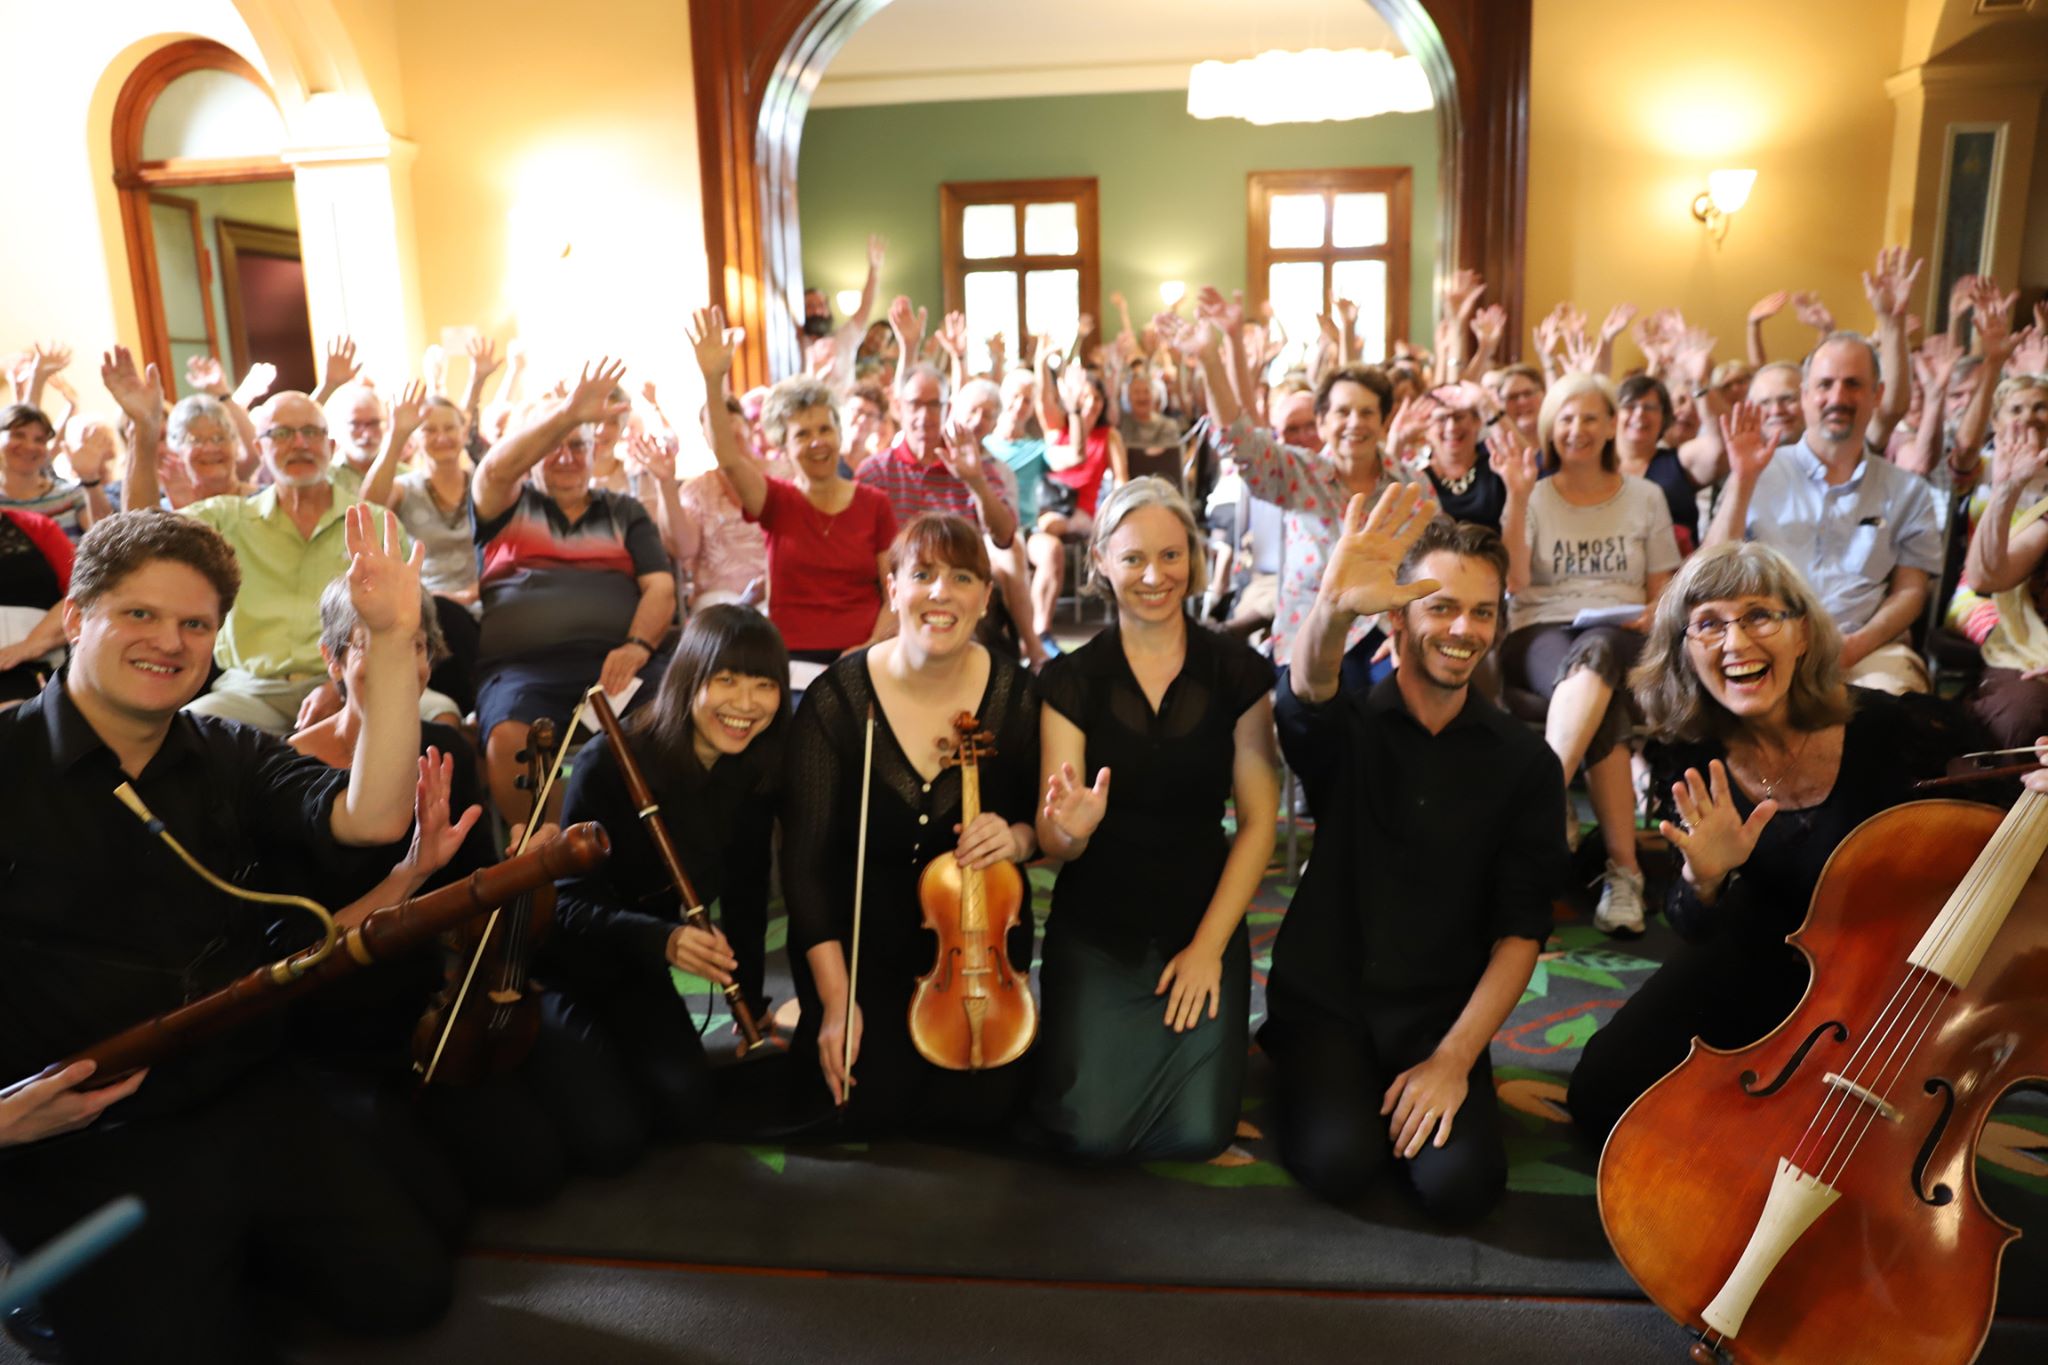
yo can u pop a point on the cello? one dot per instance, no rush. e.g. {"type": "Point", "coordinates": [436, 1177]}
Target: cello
{"type": "Point", "coordinates": [971, 1011]}
{"type": "Point", "coordinates": [1811, 1199]}
{"type": "Point", "coordinates": [492, 960]}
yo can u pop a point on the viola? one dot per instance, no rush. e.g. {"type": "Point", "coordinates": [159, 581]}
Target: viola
{"type": "Point", "coordinates": [971, 1011]}
{"type": "Point", "coordinates": [1812, 1199]}
{"type": "Point", "coordinates": [486, 1016]}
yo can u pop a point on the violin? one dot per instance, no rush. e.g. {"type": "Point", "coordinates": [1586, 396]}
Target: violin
{"type": "Point", "coordinates": [486, 964]}
{"type": "Point", "coordinates": [1811, 1199]}
{"type": "Point", "coordinates": [971, 1011]}
{"type": "Point", "coordinates": [642, 797]}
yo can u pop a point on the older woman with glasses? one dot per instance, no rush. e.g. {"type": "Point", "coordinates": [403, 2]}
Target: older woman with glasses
{"type": "Point", "coordinates": [1764, 760]}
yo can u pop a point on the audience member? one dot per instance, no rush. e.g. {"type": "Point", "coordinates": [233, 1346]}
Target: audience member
{"type": "Point", "coordinates": [35, 576]}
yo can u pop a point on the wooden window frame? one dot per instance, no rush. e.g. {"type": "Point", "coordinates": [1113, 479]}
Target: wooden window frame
{"type": "Point", "coordinates": [956, 196]}
{"type": "Point", "coordinates": [136, 179]}
{"type": "Point", "coordinates": [1396, 182]}
{"type": "Point", "coordinates": [258, 240]}
{"type": "Point", "coordinates": [190, 207]}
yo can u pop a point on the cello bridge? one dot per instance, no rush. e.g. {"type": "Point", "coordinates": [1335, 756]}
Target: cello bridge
{"type": "Point", "coordinates": [1884, 1108]}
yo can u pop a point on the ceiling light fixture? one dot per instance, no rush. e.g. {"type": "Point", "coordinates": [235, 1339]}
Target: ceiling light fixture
{"type": "Point", "coordinates": [1313, 86]}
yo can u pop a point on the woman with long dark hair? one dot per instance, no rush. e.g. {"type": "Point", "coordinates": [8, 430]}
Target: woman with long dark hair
{"type": "Point", "coordinates": [709, 747]}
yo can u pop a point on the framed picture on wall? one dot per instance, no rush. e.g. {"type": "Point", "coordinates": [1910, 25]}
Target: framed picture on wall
{"type": "Point", "coordinates": [1968, 208]}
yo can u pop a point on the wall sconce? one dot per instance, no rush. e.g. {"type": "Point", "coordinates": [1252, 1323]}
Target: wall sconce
{"type": "Point", "coordinates": [1172, 292]}
{"type": "Point", "coordinates": [1727, 192]}
{"type": "Point", "coordinates": [848, 300]}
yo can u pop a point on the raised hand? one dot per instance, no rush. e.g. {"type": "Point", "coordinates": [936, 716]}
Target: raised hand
{"type": "Point", "coordinates": [1711, 836]}
{"type": "Point", "coordinates": [1409, 423]}
{"type": "Point", "coordinates": [339, 365]}
{"type": "Point", "coordinates": [50, 357]}
{"type": "Point", "coordinates": [1226, 315]}
{"type": "Point", "coordinates": [1993, 309]}
{"type": "Point", "coordinates": [2022, 455]}
{"type": "Point", "coordinates": [140, 396]}
{"type": "Point", "coordinates": [1962, 295]}
{"type": "Point", "coordinates": [1514, 457]}
{"type": "Point", "coordinates": [953, 334]}
{"type": "Point", "coordinates": [1463, 292]}
{"type": "Point", "coordinates": [202, 372]}
{"type": "Point", "coordinates": [434, 368]}
{"type": "Point", "coordinates": [1807, 307]}
{"type": "Point", "coordinates": [1934, 364]}
{"type": "Point", "coordinates": [1361, 576]}
{"type": "Point", "coordinates": [482, 351]}
{"type": "Point", "coordinates": [591, 399]}
{"type": "Point", "coordinates": [409, 408]}
{"type": "Point", "coordinates": [435, 839]}
{"type": "Point", "coordinates": [907, 323]}
{"type": "Point", "coordinates": [1890, 285]}
{"type": "Point", "coordinates": [878, 248]}
{"type": "Point", "coordinates": [1073, 809]}
{"type": "Point", "coordinates": [1489, 324]}
{"type": "Point", "coordinates": [1581, 353]}
{"type": "Point", "coordinates": [2030, 351]}
{"type": "Point", "coordinates": [1617, 321]}
{"type": "Point", "coordinates": [1693, 355]}
{"type": "Point", "coordinates": [654, 458]}
{"type": "Point", "coordinates": [1769, 306]}
{"type": "Point", "coordinates": [515, 354]}
{"type": "Point", "coordinates": [1347, 315]}
{"type": "Point", "coordinates": [706, 331]}
{"type": "Point", "coordinates": [383, 584]}
{"type": "Point", "coordinates": [254, 384]}
{"type": "Point", "coordinates": [1742, 433]}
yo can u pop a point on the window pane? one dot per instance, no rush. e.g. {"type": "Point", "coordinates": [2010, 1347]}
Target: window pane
{"type": "Point", "coordinates": [991, 307]}
{"type": "Point", "coordinates": [1365, 284]}
{"type": "Point", "coordinates": [1295, 289]}
{"type": "Point", "coordinates": [1051, 230]}
{"type": "Point", "coordinates": [1294, 220]}
{"type": "Point", "coordinates": [1359, 220]}
{"type": "Point", "coordinates": [988, 230]}
{"type": "Point", "coordinates": [1052, 301]}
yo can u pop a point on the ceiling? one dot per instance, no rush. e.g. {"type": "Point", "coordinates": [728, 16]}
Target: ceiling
{"type": "Point", "coordinates": [916, 51]}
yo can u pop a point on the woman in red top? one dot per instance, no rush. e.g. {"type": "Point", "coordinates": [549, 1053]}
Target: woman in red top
{"type": "Point", "coordinates": [828, 537]}
{"type": "Point", "coordinates": [35, 573]}
{"type": "Point", "coordinates": [1089, 431]}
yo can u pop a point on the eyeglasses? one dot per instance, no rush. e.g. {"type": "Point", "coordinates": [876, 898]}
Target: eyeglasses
{"type": "Point", "coordinates": [284, 435]}
{"type": "Point", "coordinates": [1758, 623]}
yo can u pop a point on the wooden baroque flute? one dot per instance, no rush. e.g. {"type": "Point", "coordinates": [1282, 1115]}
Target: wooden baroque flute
{"type": "Point", "coordinates": [642, 798]}
{"type": "Point", "coordinates": [383, 934]}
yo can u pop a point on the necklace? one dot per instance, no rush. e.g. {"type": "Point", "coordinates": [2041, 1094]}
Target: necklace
{"type": "Point", "coordinates": [1771, 784]}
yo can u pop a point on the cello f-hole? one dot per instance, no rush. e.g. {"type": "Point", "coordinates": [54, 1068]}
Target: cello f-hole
{"type": "Point", "coordinates": [1749, 1078]}
{"type": "Point", "coordinates": [1941, 1194]}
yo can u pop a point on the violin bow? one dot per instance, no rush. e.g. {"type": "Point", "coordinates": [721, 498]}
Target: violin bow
{"type": "Point", "coordinates": [860, 878]}
{"type": "Point", "coordinates": [534, 821]}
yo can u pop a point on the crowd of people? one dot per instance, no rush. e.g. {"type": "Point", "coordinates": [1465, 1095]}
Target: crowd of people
{"type": "Point", "coordinates": [320, 633]}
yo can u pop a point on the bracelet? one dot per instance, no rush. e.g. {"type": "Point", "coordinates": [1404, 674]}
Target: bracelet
{"type": "Point", "coordinates": [636, 640]}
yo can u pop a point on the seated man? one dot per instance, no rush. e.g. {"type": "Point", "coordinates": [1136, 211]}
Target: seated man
{"type": "Point", "coordinates": [1416, 927]}
{"type": "Point", "coordinates": [576, 587]}
{"type": "Point", "coordinates": [101, 926]}
{"type": "Point", "coordinates": [289, 541]}
{"type": "Point", "coordinates": [1864, 532]}
{"type": "Point", "coordinates": [925, 472]}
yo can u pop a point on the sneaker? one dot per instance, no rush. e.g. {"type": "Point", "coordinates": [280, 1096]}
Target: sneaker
{"type": "Point", "coordinates": [1621, 902]}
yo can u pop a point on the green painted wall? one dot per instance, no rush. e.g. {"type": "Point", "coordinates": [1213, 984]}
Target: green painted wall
{"type": "Point", "coordinates": [1172, 188]}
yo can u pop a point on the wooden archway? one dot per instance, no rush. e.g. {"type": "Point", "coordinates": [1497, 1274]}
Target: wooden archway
{"type": "Point", "coordinates": [758, 61]}
{"type": "Point", "coordinates": [136, 179]}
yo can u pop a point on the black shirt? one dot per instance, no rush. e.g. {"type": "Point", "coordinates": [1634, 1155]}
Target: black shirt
{"type": "Point", "coordinates": [101, 926]}
{"type": "Point", "coordinates": [1149, 870]}
{"type": "Point", "coordinates": [1482, 501]}
{"type": "Point", "coordinates": [616, 921]}
{"type": "Point", "coordinates": [1889, 744]}
{"type": "Point", "coordinates": [1429, 850]}
{"type": "Point", "coordinates": [1681, 494]}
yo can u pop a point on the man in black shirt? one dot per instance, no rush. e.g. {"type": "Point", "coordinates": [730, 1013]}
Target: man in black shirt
{"type": "Point", "coordinates": [239, 1166]}
{"type": "Point", "coordinates": [1416, 927]}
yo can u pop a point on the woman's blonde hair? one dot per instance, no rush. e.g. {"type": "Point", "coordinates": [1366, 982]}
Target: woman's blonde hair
{"type": "Point", "coordinates": [1147, 491]}
{"type": "Point", "coordinates": [1667, 686]}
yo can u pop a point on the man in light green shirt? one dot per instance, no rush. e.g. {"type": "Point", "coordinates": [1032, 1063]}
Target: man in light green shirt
{"type": "Point", "coordinates": [288, 540]}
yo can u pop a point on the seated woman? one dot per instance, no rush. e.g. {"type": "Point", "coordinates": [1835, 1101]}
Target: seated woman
{"type": "Point", "coordinates": [1183, 718]}
{"type": "Point", "coordinates": [913, 685]}
{"type": "Point", "coordinates": [2006, 566]}
{"type": "Point", "coordinates": [432, 503]}
{"type": "Point", "coordinates": [709, 747]}
{"type": "Point", "coordinates": [1588, 538]}
{"type": "Point", "coordinates": [828, 537]}
{"type": "Point", "coordinates": [1467, 488]}
{"type": "Point", "coordinates": [1520, 394]}
{"type": "Point", "coordinates": [200, 436]}
{"type": "Point", "coordinates": [35, 575]}
{"type": "Point", "coordinates": [27, 482]}
{"type": "Point", "coordinates": [1639, 443]}
{"type": "Point", "coordinates": [576, 588]}
{"type": "Point", "coordinates": [1767, 761]}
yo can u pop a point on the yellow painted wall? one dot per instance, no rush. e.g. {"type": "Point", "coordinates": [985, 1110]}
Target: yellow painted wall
{"type": "Point", "coordinates": [1632, 105]}
{"type": "Point", "coordinates": [539, 131]}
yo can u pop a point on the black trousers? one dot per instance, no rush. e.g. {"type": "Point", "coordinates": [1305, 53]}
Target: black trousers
{"type": "Point", "coordinates": [455, 676]}
{"type": "Point", "coordinates": [1726, 993]}
{"type": "Point", "coordinates": [263, 1186]}
{"type": "Point", "coordinates": [1331, 1075]}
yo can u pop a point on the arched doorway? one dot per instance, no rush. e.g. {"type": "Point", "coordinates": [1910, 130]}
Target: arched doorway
{"type": "Point", "coordinates": [757, 65]}
{"type": "Point", "coordinates": [209, 216]}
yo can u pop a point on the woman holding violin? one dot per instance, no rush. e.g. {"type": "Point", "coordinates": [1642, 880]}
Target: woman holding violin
{"type": "Point", "coordinates": [1147, 973]}
{"type": "Point", "coordinates": [896, 702]}
{"type": "Point", "coordinates": [1763, 761]}
{"type": "Point", "coordinates": [709, 750]}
